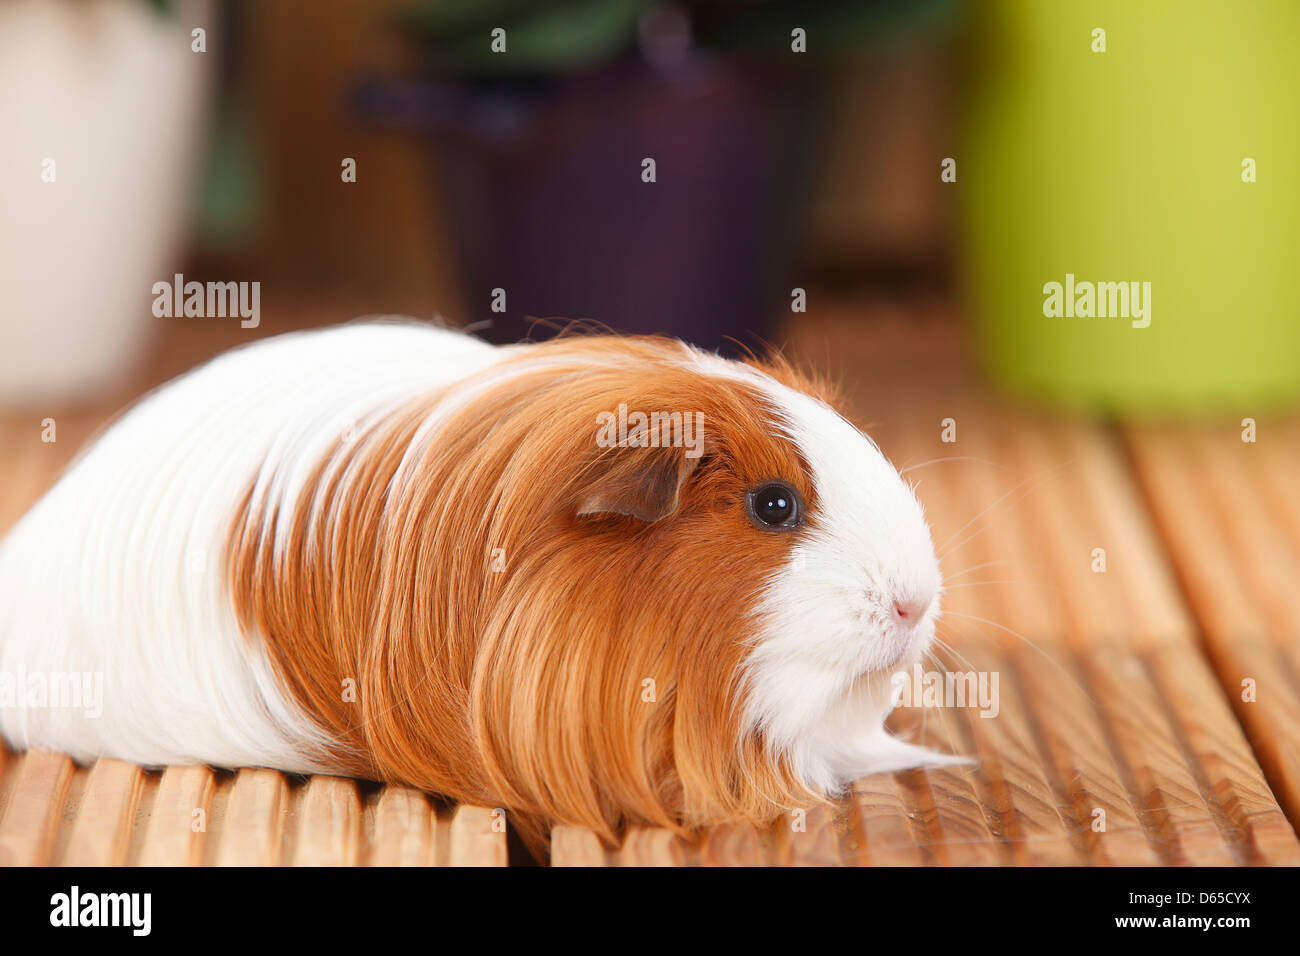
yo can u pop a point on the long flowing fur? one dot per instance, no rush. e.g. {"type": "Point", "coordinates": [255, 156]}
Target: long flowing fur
{"type": "Point", "coordinates": [397, 552]}
{"type": "Point", "coordinates": [506, 649]}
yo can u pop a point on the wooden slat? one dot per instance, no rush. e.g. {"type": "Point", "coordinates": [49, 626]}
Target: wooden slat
{"type": "Point", "coordinates": [1227, 510]}
{"type": "Point", "coordinates": [1020, 782]}
{"type": "Point", "coordinates": [880, 827]}
{"type": "Point", "coordinates": [176, 832]}
{"type": "Point", "coordinates": [1094, 605]}
{"type": "Point", "coordinates": [1018, 788]}
{"type": "Point", "coordinates": [1043, 692]}
{"type": "Point", "coordinates": [651, 846]}
{"type": "Point", "coordinates": [478, 837]}
{"type": "Point", "coordinates": [101, 832]}
{"type": "Point", "coordinates": [1139, 569]}
{"type": "Point", "coordinates": [1185, 511]}
{"type": "Point", "coordinates": [1251, 522]}
{"type": "Point", "coordinates": [1252, 824]}
{"type": "Point", "coordinates": [252, 825]}
{"type": "Point", "coordinates": [968, 502]}
{"type": "Point", "coordinates": [1182, 827]}
{"type": "Point", "coordinates": [1034, 829]}
{"type": "Point", "coordinates": [808, 839]}
{"type": "Point", "coordinates": [1060, 711]}
{"type": "Point", "coordinates": [918, 803]}
{"type": "Point", "coordinates": [404, 831]}
{"type": "Point", "coordinates": [1272, 720]}
{"type": "Point", "coordinates": [329, 823]}
{"type": "Point", "coordinates": [731, 844]}
{"type": "Point", "coordinates": [576, 846]}
{"type": "Point", "coordinates": [958, 829]}
{"type": "Point", "coordinates": [35, 808]}
{"type": "Point", "coordinates": [1160, 776]}
{"type": "Point", "coordinates": [1108, 815]}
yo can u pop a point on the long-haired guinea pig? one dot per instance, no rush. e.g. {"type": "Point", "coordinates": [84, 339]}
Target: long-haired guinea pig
{"type": "Point", "coordinates": [599, 580]}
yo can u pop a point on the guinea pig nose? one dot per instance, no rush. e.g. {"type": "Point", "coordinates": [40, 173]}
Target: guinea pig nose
{"type": "Point", "coordinates": [909, 610]}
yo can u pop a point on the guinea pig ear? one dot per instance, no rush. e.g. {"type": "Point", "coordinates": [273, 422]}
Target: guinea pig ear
{"type": "Point", "coordinates": [642, 483]}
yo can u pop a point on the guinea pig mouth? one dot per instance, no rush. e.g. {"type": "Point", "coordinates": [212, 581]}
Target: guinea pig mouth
{"type": "Point", "coordinates": [896, 658]}
{"type": "Point", "coordinates": [905, 647]}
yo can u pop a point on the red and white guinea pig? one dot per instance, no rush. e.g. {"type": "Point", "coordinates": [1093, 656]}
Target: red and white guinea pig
{"type": "Point", "coordinates": [396, 552]}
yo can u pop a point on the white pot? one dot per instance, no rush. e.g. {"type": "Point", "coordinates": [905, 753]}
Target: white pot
{"type": "Point", "coordinates": [111, 92]}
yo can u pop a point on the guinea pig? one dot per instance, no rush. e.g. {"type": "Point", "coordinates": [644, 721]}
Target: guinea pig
{"type": "Point", "coordinates": [598, 580]}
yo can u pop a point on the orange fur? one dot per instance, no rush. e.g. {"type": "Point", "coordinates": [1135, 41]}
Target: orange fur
{"type": "Point", "coordinates": [524, 687]}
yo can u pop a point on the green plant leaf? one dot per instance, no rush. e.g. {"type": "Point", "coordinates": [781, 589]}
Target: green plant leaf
{"type": "Point", "coordinates": [540, 37]}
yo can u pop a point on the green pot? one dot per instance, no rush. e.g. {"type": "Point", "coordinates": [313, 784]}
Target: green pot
{"type": "Point", "coordinates": [1127, 166]}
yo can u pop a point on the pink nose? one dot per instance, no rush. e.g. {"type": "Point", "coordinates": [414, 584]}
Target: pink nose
{"type": "Point", "coordinates": [911, 610]}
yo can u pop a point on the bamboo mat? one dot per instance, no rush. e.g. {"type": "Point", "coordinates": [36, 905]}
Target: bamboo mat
{"type": "Point", "coordinates": [1121, 735]}
{"type": "Point", "coordinates": [115, 814]}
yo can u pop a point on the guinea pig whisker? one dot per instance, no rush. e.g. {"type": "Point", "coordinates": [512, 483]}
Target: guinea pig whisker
{"type": "Point", "coordinates": [937, 461]}
{"type": "Point", "coordinates": [978, 567]}
{"type": "Point", "coordinates": [1023, 742]}
{"type": "Point", "coordinates": [1028, 584]}
{"type": "Point", "coordinates": [953, 737]}
{"type": "Point", "coordinates": [1046, 656]}
{"type": "Point", "coordinates": [923, 733]}
{"type": "Point", "coordinates": [933, 658]}
{"type": "Point", "coordinates": [961, 658]}
{"type": "Point", "coordinates": [948, 546]}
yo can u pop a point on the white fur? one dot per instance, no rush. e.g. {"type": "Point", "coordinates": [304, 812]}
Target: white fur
{"type": "Point", "coordinates": [816, 682]}
{"type": "Point", "coordinates": [830, 613]}
{"type": "Point", "coordinates": [117, 569]}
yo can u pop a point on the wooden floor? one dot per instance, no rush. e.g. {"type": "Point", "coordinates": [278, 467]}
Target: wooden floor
{"type": "Point", "coordinates": [1147, 714]}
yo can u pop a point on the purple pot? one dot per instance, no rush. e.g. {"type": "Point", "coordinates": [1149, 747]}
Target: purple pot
{"type": "Point", "coordinates": [543, 184]}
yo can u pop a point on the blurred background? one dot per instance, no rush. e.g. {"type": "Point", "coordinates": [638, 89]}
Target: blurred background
{"type": "Point", "coordinates": [728, 172]}
{"type": "Point", "coordinates": [886, 189]}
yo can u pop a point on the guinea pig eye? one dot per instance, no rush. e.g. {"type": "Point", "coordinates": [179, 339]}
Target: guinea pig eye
{"type": "Point", "coordinates": [773, 505]}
